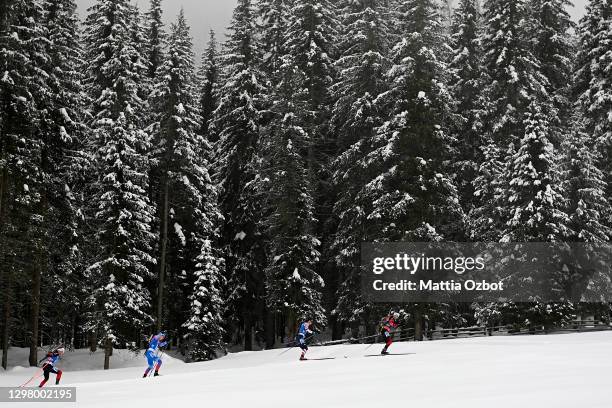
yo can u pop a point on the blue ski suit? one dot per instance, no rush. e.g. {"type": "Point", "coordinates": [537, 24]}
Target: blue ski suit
{"type": "Point", "coordinates": [303, 332]}
{"type": "Point", "coordinates": [154, 344]}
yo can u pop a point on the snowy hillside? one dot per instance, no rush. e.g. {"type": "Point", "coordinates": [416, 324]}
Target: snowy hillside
{"type": "Point", "coordinates": [557, 371]}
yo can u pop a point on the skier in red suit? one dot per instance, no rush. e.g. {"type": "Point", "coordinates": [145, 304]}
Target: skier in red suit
{"type": "Point", "coordinates": [49, 367]}
{"type": "Point", "coordinates": [388, 323]}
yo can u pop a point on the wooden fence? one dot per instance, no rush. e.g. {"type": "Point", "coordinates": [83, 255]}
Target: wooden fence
{"type": "Point", "coordinates": [508, 330]}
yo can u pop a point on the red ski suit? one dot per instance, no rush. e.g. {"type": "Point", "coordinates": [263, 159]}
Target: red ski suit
{"type": "Point", "coordinates": [388, 324]}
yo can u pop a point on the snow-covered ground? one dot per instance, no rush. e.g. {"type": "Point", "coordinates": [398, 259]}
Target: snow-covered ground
{"type": "Point", "coordinates": [557, 371]}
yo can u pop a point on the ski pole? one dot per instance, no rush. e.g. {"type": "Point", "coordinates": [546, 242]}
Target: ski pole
{"type": "Point", "coordinates": [295, 344]}
{"type": "Point", "coordinates": [289, 344]}
{"type": "Point", "coordinates": [375, 337]}
{"type": "Point", "coordinates": [283, 352]}
{"type": "Point", "coordinates": [36, 375]}
{"type": "Point", "coordinates": [375, 342]}
{"type": "Point", "coordinates": [341, 349]}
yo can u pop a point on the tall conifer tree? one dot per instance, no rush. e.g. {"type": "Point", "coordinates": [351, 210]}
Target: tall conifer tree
{"type": "Point", "coordinates": [120, 207]}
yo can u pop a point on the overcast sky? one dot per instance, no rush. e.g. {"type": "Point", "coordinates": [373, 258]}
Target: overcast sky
{"type": "Point", "coordinates": [216, 14]}
{"type": "Point", "coordinates": [202, 15]}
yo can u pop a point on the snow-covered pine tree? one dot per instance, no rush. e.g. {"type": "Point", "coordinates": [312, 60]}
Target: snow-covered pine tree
{"type": "Point", "coordinates": [465, 85]}
{"type": "Point", "coordinates": [394, 23]}
{"type": "Point", "coordinates": [32, 204]}
{"type": "Point", "coordinates": [554, 50]}
{"type": "Point", "coordinates": [591, 89]}
{"type": "Point", "coordinates": [309, 42]}
{"type": "Point", "coordinates": [120, 207]}
{"type": "Point", "coordinates": [585, 187]}
{"type": "Point", "coordinates": [205, 322]}
{"type": "Point", "coordinates": [512, 80]}
{"type": "Point", "coordinates": [156, 37]}
{"type": "Point", "coordinates": [509, 206]}
{"type": "Point", "coordinates": [64, 162]}
{"type": "Point", "coordinates": [412, 194]}
{"type": "Point", "coordinates": [188, 206]}
{"type": "Point", "coordinates": [236, 123]}
{"type": "Point", "coordinates": [139, 41]}
{"type": "Point", "coordinates": [364, 46]}
{"type": "Point", "coordinates": [209, 82]}
{"type": "Point", "coordinates": [534, 208]}
{"type": "Point", "coordinates": [534, 205]}
{"type": "Point", "coordinates": [274, 18]}
{"type": "Point", "coordinates": [293, 287]}
{"type": "Point", "coordinates": [589, 211]}
{"type": "Point", "coordinates": [593, 83]}
{"type": "Point", "coordinates": [513, 74]}
{"type": "Point", "coordinates": [485, 220]}
{"type": "Point", "coordinates": [588, 27]}
{"type": "Point", "coordinates": [22, 179]}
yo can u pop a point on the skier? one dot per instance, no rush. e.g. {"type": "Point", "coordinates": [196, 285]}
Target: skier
{"type": "Point", "coordinates": [51, 359]}
{"type": "Point", "coordinates": [303, 332]}
{"type": "Point", "coordinates": [389, 322]}
{"type": "Point", "coordinates": [153, 359]}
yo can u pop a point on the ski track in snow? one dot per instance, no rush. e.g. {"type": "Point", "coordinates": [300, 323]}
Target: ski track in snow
{"type": "Point", "coordinates": [567, 370]}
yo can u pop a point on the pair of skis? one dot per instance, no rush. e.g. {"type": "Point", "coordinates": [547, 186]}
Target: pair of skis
{"type": "Point", "coordinates": [318, 359]}
{"type": "Point", "coordinates": [366, 355]}
{"type": "Point", "coordinates": [388, 354]}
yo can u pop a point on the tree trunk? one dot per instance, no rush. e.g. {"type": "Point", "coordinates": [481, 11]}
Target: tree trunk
{"type": "Point", "coordinates": [36, 277]}
{"type": "Point", "coordinates": [37, 272]}
{"type": "Point", "coordinates": [108, 352]}
{"type": "Point", "coordinates": [8, 278]}
{"type": "Point", "coordinates": [5, 275]}
{"type": "Point", "coordinates": [162, 263]}
{"type": "Point", "coordinates": [93, 341]}
{"type": "Point", "coordinates": [73, 332]}
{"type": "Point", "coordinates": [3, 187]}
{"type": "Point", "coordinates": [279, 325]}
{"type": "Point", "coordinates": [248, 332]}
{"type": "Point", "coordinates": [6, 320]}
{"type": "Point", "coordinates": [418, 324]}
{"type": "Point", "coordinates": [269, 329]}
{"type": "Point", "coordinates": [337, 328]}
{"type": "Point", "coordinates": [370, 329]}
{"type": "Point", "coordinates": [290, 325]}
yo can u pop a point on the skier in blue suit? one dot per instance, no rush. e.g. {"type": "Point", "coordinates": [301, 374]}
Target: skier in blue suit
{"type": "Point", "coordinates": [303, 333]}
{"type": "Point", "coordinates": [153, 359]}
